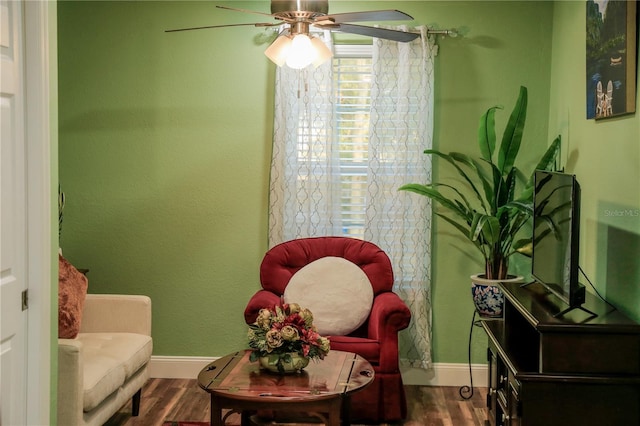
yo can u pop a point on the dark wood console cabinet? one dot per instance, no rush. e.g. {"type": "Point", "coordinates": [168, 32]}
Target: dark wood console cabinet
{"type": "Point", "coordinates": [571, 370]}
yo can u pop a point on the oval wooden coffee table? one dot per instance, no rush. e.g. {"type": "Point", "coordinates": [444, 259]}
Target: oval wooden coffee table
{"type": "Point", "coordinates": [321, 390]}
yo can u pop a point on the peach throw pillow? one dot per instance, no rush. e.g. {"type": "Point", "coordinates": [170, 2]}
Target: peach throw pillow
{"type": "Point", "coordinates": [72, 289]}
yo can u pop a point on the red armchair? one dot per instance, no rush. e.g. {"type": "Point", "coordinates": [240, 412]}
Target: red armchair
{"type": "Point", "coordinates": [376, 340]}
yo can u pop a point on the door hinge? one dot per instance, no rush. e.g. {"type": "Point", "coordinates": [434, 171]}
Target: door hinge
{"type": "Point", "coordinates": [25, 300]}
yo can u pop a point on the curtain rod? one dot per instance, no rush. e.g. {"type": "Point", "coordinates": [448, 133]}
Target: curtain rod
{"type": "Point", "coordinates": [450, 33]}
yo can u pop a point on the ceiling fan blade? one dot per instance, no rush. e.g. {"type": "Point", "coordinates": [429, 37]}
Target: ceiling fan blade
{"type": "Point", "coordinates": [384, 33]}
{"type": "Point", "coordinates": [372, 15]}
{"type": "Point", "coordinates": [255, 24]}
{"type": "Point", "coordinates": [244, 11]}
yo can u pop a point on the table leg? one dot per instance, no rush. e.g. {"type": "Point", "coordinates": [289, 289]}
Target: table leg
{"type": "Point", "coordinates": [345, 410]}
{"type": "Point", "coordinates": [216, 412]}
{"type": "Point", "coordinates": [245, 418]}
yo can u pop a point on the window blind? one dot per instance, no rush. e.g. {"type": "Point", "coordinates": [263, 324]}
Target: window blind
{"type": "Point", "coordinates": [352, 94]}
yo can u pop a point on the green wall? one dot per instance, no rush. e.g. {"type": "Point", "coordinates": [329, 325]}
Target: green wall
{"type": "Point", "coordinates": [605, 156]}
{"type": "Point", "coordinates": [165, 143]}
{"type": "Point", "coordinates": [164, 147]}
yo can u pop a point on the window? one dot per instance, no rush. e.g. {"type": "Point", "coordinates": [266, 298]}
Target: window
{"type": "Point", "coordinates": [352, 87]}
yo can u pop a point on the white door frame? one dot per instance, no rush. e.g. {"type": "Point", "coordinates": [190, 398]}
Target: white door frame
{"type": "Point", "coordinates": [41, 134]}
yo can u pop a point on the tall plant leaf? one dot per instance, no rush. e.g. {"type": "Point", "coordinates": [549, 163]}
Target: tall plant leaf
{"type": "Point", "coordinates": [512, 136]}
{"type": "Point", "coordinates": [547, 162]}
{"type": "Point", "coordinates": [475, 166]}
{"type": "Point", "coordinates": [465, 231]}
{"type": "Point", "coordinates": [487, 133]}
{"type": "Point", "coordinates": [487, 226]}
{"type": "Point", "coordinates": [510, 186]}
{"type": "Point", "coordinates": [449, 158]}
{"type": "Point", "coordinates": [434, 194]}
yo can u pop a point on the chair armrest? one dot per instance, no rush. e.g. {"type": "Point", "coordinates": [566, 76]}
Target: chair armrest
{"type": "Point", "coordinates": [389, 314]}
{"type": "Point", "coordinates": [262, 299]}
{"type": "Point", "coordinates": [116, 313]}
{"type": "Point", "coordinates": [70, 382]}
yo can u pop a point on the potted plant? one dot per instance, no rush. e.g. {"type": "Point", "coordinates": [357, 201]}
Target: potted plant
{"type": "Point", "coordinates": [495, 203]}
{"type": "Point", "coordinates": [283, 339]}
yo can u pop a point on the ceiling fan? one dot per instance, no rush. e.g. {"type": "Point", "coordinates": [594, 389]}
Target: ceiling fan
{"type": "Point", "coordinates": [297, 47]}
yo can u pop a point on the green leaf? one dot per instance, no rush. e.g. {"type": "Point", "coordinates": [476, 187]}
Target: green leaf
{"type": "Point", "coordinates": [463, 205]}
{"type": "Point", "coordinates": [434, 194]}
{"type": "Point", "coordinates": [512, 136]}
{"type": "Point", "coordinates": [521, 206]}
{"type": "Point", "coordinates": [487, 133]}
{"type": "Point", "coordinates": [509, 187]}
{"type": "Point", "coordinates": [524, 246]}
{"type": "Point", "coordinates": [452, 160]}
{"type": "Point", "coordinates": [487, 226]}
{"type": "Point", "coordinates": [526, 194]}
{"type": "Point", "coordinates": [475, 166]}
{"type": "Point", "coordinates": [503, 187]}
{"type": "Point", "coordinates": [491, 230]}
{"type": "Point", "coordinates": [547, 162]}
{"type": "Point", "coordinates": [548, 159]}
{"type": "Point", "coordinates": [465, 230]}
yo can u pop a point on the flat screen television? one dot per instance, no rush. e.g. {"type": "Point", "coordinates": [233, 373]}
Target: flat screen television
{"type": "Point", "coordinates": [556, 237]}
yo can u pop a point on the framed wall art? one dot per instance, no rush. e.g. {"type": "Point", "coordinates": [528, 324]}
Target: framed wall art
{"type": "Point", "coordinates": [612, 36]}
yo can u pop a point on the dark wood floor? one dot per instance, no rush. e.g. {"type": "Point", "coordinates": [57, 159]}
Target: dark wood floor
{"type": "Point", "coordinates": [182, 399]}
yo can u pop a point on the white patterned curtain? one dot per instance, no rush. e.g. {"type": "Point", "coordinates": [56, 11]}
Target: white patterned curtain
{"type": "Point", "coordinates": [400, 222]}
{"type": "Point", "coordinates": [304, 198]}
{"type": "Point", "coordinates": [305, 171]}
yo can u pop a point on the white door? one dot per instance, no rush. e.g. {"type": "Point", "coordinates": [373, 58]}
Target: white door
{"type": "Point", "coordinates": [13, 248]}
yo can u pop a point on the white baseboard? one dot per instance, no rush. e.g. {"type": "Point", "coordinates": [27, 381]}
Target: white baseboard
{"type": "Point", "coordinates": [177, 367]}
{"type": "Point", "coordinates": [442, 374]}
{"type": "Point", "coordinates": [446, 374]}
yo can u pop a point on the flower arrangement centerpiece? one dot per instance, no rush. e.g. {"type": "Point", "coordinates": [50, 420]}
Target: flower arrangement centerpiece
{"type": "Point", "coordinates": [284, 339]}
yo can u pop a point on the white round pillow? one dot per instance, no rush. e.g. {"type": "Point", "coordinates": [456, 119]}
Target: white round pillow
{"type": "Point", "coordinates": [336, 291]}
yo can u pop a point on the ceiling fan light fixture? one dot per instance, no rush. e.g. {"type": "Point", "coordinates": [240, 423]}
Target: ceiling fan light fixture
{"type": "Point", "coordinates": [278, 51]}
{"type": "Point", "coordinates": [298, 51]}
{"type": "Point", "coordinates": [322, 52]}
{"type": "Point", "coordinates": [302, 52]}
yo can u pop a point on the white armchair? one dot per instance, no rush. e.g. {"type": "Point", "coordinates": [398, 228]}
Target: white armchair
{"type": "Point", "coordinates": [106, 364]}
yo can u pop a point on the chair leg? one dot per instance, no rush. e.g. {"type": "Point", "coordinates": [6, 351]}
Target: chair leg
{"type": "Point", "coordinates": [135, 403]}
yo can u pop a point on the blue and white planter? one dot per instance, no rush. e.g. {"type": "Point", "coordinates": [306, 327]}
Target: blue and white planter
{"type": "Point", "coordinates": [487, 296]}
